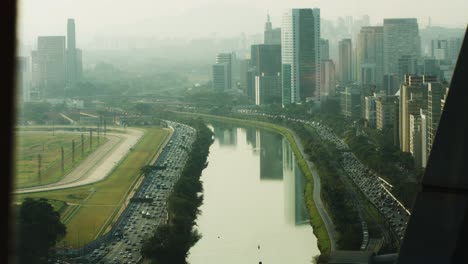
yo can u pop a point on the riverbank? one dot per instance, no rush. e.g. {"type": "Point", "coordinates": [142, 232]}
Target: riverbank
{"type": "Point", "coordinates": [319, 219]}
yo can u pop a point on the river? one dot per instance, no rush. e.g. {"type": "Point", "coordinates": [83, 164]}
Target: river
{"type": "Point", "coordinates": [253, 209]}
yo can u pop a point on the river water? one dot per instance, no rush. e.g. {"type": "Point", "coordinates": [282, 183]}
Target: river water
{"type": "Point", "coordinates": [253, 209]}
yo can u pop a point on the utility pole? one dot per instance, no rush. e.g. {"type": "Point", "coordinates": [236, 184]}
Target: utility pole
{"type": "Point", "coordinates": [73, 152]}
{"type": "Point", "coordinates": [82, 145]}
{"type": "Point", "coordinates": [98, 132]}
{"type": "Point", "coordinates": [63, 161]}
{"type": "Point", "coordinates": [39, 160]}
{"type": "Point", "coordinates": [105, 127]}
{"type": "Point", "coordinates": [90, 139]}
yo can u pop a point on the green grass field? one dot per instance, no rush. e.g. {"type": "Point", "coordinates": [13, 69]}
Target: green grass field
{"type": "Point", "coordinates": [91, 208]}
{"type": "Point", "coordinates": [30, 145]}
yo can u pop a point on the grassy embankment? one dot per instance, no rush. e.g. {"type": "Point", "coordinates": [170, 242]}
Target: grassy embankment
{"type": "Point", "coordinates": [315, 219]}
{"type": "Point", "coordinates": [30, 145]}
{"type": "Point", "coordinates": [91, 208]}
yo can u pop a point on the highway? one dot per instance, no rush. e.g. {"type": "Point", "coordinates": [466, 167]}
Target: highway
{"type": "Point", "coordinates": [147, 208]}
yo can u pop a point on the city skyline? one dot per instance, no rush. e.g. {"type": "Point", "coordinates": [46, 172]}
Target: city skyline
{"type": "Point", "coordinates": [170, 20]}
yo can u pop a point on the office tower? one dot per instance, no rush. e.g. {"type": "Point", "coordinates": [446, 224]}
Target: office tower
{"type": "Point", "coordinates": [369, 56]}
{"type": "Point", "coordinates": [415, 138]}
{"type": "Point", "coordinates": [439, 49]}
{"type": "Point", "coordinates": [435, 93]}
{"type": "Point", "coordinates": [424, 152]}
{"type": "Point", "coordinates": [390, 84]}
{"type": "Point", "coordinates": [401, 37]}
{"type": "Point", "coordinates": [244, 66]}
{"type": "Point", "coordinates": [73, 62]}
{"type": "Point", "coordinates": [221, 77]}
{"type": "Point", "coordinates": [350, 102]}
{"type": "Point", "coordinates": [267, 89]}
{"type": "Point", "coordinates": [454, 46]}
{"type": "Point", "coordinates": [345, 61]}
{"type": "Point", "coordinates": [324, 49]}
{"type": "Point", "coordinates": [266, 60]}
{"type": "Point", "coordinates": [250, 85]}
{"type": "Point", "coordinates": [407, 65]}
{"type": "Point", "coordinates": [271, 35]}
{"type": "Point", "coordinates": [300, 55]}
{"type": "Point", "coordinates": [413, 96]}
{"type": "Point", "coordinates": [226, 58]}
{"type": "Point", "coordinates": [35, 76]}
{"type": "Point", "coordinates": [370, 108]}
{"type": "Point", "coordinates": [23, 83]}
{"type": "Point", "coordinates": [327, 78]}
{"type": "Point", "coordinates": [79, 64]}
{"type": "Point", "coordinates": [49, 67]}
{"type": "Point", "coordinates": [385, 112]}
{"type": "Point", "coordinates": [430, 67]}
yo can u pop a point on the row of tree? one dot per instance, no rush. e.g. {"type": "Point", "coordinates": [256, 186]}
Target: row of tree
{"type": "Point", "coordinates": [171, 241]}
{"type": "Point", "coordinates": [340, 205]}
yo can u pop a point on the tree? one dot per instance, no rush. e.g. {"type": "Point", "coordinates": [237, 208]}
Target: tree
{"type": "Point", "coordinates": [39, 229]}
{"type": "Point", "coordinates": [147, 169]}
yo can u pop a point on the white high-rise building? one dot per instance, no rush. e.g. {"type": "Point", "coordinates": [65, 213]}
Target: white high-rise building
{"type": "Point", "coordinates": [401, 38]}
{"type": "Point", "coordinates": [300, 55]}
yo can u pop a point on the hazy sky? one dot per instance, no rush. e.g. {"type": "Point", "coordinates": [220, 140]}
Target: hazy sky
{"type": "Point", "coordinates": [201, 18]}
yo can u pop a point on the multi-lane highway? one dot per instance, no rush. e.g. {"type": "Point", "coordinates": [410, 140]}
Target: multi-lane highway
{"type": "Point", "coordinates": [147, 208]}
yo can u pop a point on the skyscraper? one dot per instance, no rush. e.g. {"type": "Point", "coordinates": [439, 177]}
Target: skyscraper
{"type": "Point", "coordinates": [415, 138]}
{"type": "Point", "coordinates": [72, 60]}
{"type": "Point", "coordinates": [22, 80]}
{"type": "Point", "coordinates": [266, 61]}
{"type": "Point", "coordinates": [407, 65]}
{"type": "Point", "coordinates": [220, 77]}
{"type": "Point", "coordinates": [369, 56]}
{"type": "Point", "coordinates": [49, 66]}
{"type": "Point", "coordinates": [300, 55]}
{"type": "Point", "coordinates": [424, 152]}
{"type": "Point", "coordinates": [327, 78]}
{"type": "Point", "coordinates": [345, 71]}
{"type": "Point", "coordinates": [266, 58]}
{"type": "Point", "coordinates": [385, 112]}
{"type": "Point", "coordinates": [390, 84]}
{"type": "Point", "coordinates": [439, 49]}
{"type": "Point", "coordinates": [324, 49]}
{"type": "Point", "coordinates": [435, 93]}
{"type": "Point", "coordinates": [271, 35]}
{"type": "Point", "coordinates": [227, 59]}
{"type": "Point", "coordinates": [350, 102]}
{"type": "Point", "coordinates": [413, 97]}
{"type": "Point", "coordinates": [401, 37]}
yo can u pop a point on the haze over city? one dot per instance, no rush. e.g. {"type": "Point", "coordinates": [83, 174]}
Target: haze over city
{"type": "Point", "coordinates": [177, 132]}
{"type": "Point", "coordinates": [203, 18]}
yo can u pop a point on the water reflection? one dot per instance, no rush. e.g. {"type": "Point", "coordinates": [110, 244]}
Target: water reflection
{"type": "Point", "coordinates": [294, 183]}
{"type": "Point", "coordinates": [247, 190]}
{"type": "Point", "coordinates": [226, 135]}
{"type": "Point", "coordinates": [271, 156]}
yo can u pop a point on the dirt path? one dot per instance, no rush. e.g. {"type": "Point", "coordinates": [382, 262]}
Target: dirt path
{"type": "Point", "coordinates": [97, 165]}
